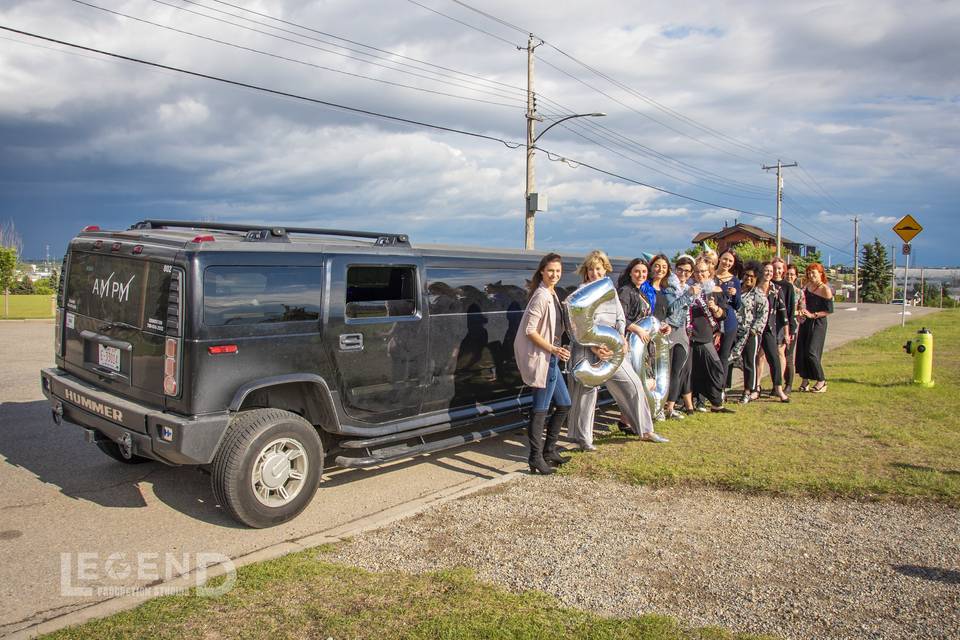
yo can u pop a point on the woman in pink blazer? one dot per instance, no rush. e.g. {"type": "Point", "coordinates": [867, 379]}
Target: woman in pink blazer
{"type": "Point", "coordinates": [538, 353]}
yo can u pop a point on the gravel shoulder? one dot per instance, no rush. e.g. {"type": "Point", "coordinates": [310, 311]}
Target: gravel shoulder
{"type": "Point", "coordinates": [792, 567]}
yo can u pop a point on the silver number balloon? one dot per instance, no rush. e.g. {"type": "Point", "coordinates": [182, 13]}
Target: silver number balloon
{"type": "Point", "coordinates": [651, 361]}
{"type": "Point", "coordinates": [581, 307]}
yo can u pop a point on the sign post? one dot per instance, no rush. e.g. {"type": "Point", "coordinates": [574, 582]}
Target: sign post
{"type": "Point", "coordinates": [907, 228]}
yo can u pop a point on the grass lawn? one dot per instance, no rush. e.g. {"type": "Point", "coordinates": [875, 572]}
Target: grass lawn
{"type": "Point", "coordinates": [872, 435]}
{"type": "Point", "coordinates": [301, 596]}
{"type": "Point", "coordinates": [27, 306]}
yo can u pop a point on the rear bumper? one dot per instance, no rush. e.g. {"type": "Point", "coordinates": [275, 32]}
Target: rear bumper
{"type": "Point", "coordinates": [192, 440]}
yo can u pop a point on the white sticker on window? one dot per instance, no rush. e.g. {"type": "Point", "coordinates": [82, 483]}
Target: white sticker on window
{"type": "Point", "coordinates": [71, 320]}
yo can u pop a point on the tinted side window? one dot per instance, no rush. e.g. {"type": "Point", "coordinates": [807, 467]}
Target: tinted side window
{"type": "Point", "coordinates": [477, 290]}
{"type": "Point", "coordinates": [255, 295]}
{"type": "Point", "coordinates": [381, 292]}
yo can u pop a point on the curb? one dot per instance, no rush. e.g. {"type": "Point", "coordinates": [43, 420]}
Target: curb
{"type": "Point", "coordinates": [342, 532]}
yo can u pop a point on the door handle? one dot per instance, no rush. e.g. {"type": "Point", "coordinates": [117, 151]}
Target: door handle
{"type": "Point", "coordinates": [351, 342]}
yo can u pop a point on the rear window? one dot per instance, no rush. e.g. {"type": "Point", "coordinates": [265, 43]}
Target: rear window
{"type": "Point", "coordinates": [116, 289]}
{"type": "Point", "coordinates": [256, 295]}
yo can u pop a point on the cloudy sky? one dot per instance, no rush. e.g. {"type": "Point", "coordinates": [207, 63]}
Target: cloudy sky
{"type": "Point", "coordinates": [864, 95]}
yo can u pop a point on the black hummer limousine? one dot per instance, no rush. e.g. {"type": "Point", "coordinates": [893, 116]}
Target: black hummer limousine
{"type": "Point", "coordinates": [260, 353]}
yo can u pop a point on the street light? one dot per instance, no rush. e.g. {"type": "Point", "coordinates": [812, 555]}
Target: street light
{"type": "Point", "coordinates": [531, 211]}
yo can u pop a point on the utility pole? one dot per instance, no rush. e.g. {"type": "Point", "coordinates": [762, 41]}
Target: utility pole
{"type": "Point", "coordinates": [779, 201]}
{"type": "Point", "coordinates": [528, 230]}
{"type": "Point", "coordinates": [856, 259]}
{"type": "Point", "coordinates": [922, 292]}
{"type": "Point", "coordinates": [906, 281]}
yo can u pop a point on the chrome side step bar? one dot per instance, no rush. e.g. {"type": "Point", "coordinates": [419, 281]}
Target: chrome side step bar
{"type": "Point", "coordinates": [406, 450]}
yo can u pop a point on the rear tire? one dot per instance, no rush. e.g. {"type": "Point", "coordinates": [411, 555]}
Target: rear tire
{"type": "Point", "coordinates": [112, 449]}
{"type": "Point", "coordinates": [268, 467]}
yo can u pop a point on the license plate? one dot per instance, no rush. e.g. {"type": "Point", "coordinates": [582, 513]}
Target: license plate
{"type": "Point", "coordinates": [108, 357]}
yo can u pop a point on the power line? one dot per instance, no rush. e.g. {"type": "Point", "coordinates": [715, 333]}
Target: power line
{"type": "Point", "coordinates": [492, 17]}
{"type": "Point", "coordinates": [374, 114]}
{"type": "Point", "coordinates": [685, 167]}
{"type": "Point", "coordinates": [617, 83]}
{"type": "Point", "coordinates": [293, 60]}
{"type": "Point", "coordinates": [646, 166]}
{"type": "Point", "coordinates": [497, 89]}
{"type": "Point", "coordinates": [466, 24]}
{"type": "Point", "coordinates": [580, 163]}
{"type": "Point", "coordinates": [641, 113]}
{"type": "Point", "coordinates": [367, 46]}
{"type": "Point", "coordinates": [509, 144]}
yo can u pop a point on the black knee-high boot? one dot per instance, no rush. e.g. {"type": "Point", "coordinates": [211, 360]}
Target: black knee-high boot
{"type": "Point", "coordinates": [550, 453]}
{"type": "Point", "coordinates": [535, 436]}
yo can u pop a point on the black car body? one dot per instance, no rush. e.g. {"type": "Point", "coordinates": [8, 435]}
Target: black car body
{"type": "Point", "coordinates": [260, 352]}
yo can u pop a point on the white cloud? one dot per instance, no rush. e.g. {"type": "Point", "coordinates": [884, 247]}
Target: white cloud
{"type": "Point", "coordinates": [863, 94]}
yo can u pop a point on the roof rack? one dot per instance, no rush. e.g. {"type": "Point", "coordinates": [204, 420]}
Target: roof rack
{"type": "Point", "coordinates": [264, 233]}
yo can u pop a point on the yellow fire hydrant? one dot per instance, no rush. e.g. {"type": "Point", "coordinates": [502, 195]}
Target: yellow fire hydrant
{"type": "Point", "coordinates": [922, 351]}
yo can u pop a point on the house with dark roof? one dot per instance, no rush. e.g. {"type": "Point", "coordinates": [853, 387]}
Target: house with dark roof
{"type": "Point", "coordinates": [732, 236]}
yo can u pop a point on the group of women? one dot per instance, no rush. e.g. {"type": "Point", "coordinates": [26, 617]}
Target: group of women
{"type": "Point", "coordinates": [715, 314]}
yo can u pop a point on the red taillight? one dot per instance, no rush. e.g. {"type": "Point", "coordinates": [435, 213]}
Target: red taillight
{"type": "Point", "coordinates": [199, 239]}
{"type": "Point", "coordinates": [115, 247]}
{"type": "Point", "coordinates": [170, 349]}
{"type": "Point", "coordinates": [91, 227]}
{"type": "Point", "coordinates": [222, 348]}
{"type": "Point", "coordinates": [98, 244]}
{"type": "Point", "coordinates": [137, 250]}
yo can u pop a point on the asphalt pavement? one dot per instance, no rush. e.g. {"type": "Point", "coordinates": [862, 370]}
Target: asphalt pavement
{"type": "Point", "coordinates": [80, 532]}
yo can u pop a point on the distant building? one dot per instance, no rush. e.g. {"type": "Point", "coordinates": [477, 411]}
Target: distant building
{"type": "Point", "coordinates": [731, 236]}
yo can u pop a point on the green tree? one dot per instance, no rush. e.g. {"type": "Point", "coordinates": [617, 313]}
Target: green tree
{"type": "Point", "coordinates": [754, 251]}
{"type": "Point", "coordinates": [8, 267]}
{"type": "Point", "coordinates": [23, 286]}
{"type": "Point", "coordinates": [54, 279]}
{"type": "Point", "coordinates": [695, 250]}
{"type": "Point", "coordinates": [803, 261]}
{"type": "Point", "coordinates": [875, 273]}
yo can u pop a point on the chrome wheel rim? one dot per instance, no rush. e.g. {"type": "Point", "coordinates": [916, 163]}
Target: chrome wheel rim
{"type": "Point", "coordinates": [279, 472]}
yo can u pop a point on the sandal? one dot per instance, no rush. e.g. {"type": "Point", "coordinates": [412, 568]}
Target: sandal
{"type": "Point", "coordinates": [819, 388]}
{"type": "Point", "coordinates": [804, 387]}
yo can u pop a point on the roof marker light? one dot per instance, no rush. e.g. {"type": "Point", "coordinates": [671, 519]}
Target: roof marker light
{"type": "Point", "coordinates": [91, 227]}
{"type": "Point", "coordinates": [199, 239]}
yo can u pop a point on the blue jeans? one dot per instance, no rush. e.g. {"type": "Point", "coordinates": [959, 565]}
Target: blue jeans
{"type": "Point", "coordinates": [556, 389]}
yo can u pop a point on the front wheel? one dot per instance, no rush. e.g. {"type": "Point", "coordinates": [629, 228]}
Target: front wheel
{"type": "Point", "coordinates": [268, 467]}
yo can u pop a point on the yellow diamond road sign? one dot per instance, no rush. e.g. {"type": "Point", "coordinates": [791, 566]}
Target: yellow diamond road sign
{"type": "Point", "coordinates": [907, 228]}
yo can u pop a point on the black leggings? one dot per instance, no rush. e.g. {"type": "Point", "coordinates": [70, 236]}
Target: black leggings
{"type": "Point", "coordinates": [750, 348]}
{"type": "Point", "coordinates": [791, 355]}
{"type": "Point", "coordinates": [726, 346]}
{"type": "Point", "coordinates": [679, 372]}
{"type": "Point", "coordinates": [768, 342]}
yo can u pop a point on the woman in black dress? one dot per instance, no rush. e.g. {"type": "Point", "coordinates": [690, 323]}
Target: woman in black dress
{"type": "Point", "coordinates": [707, 372]}
{"type": "Point", "coordinates": [727, 277]}
{"type": "Point", "coordinates": [818, 297]}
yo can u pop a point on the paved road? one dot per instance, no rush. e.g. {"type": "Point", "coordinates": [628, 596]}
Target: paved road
{"type": "Point", "coordinates": [62, 496]}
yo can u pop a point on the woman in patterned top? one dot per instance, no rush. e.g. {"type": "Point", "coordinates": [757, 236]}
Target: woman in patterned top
{"type": "Point", "coordinates": [753, 312]}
